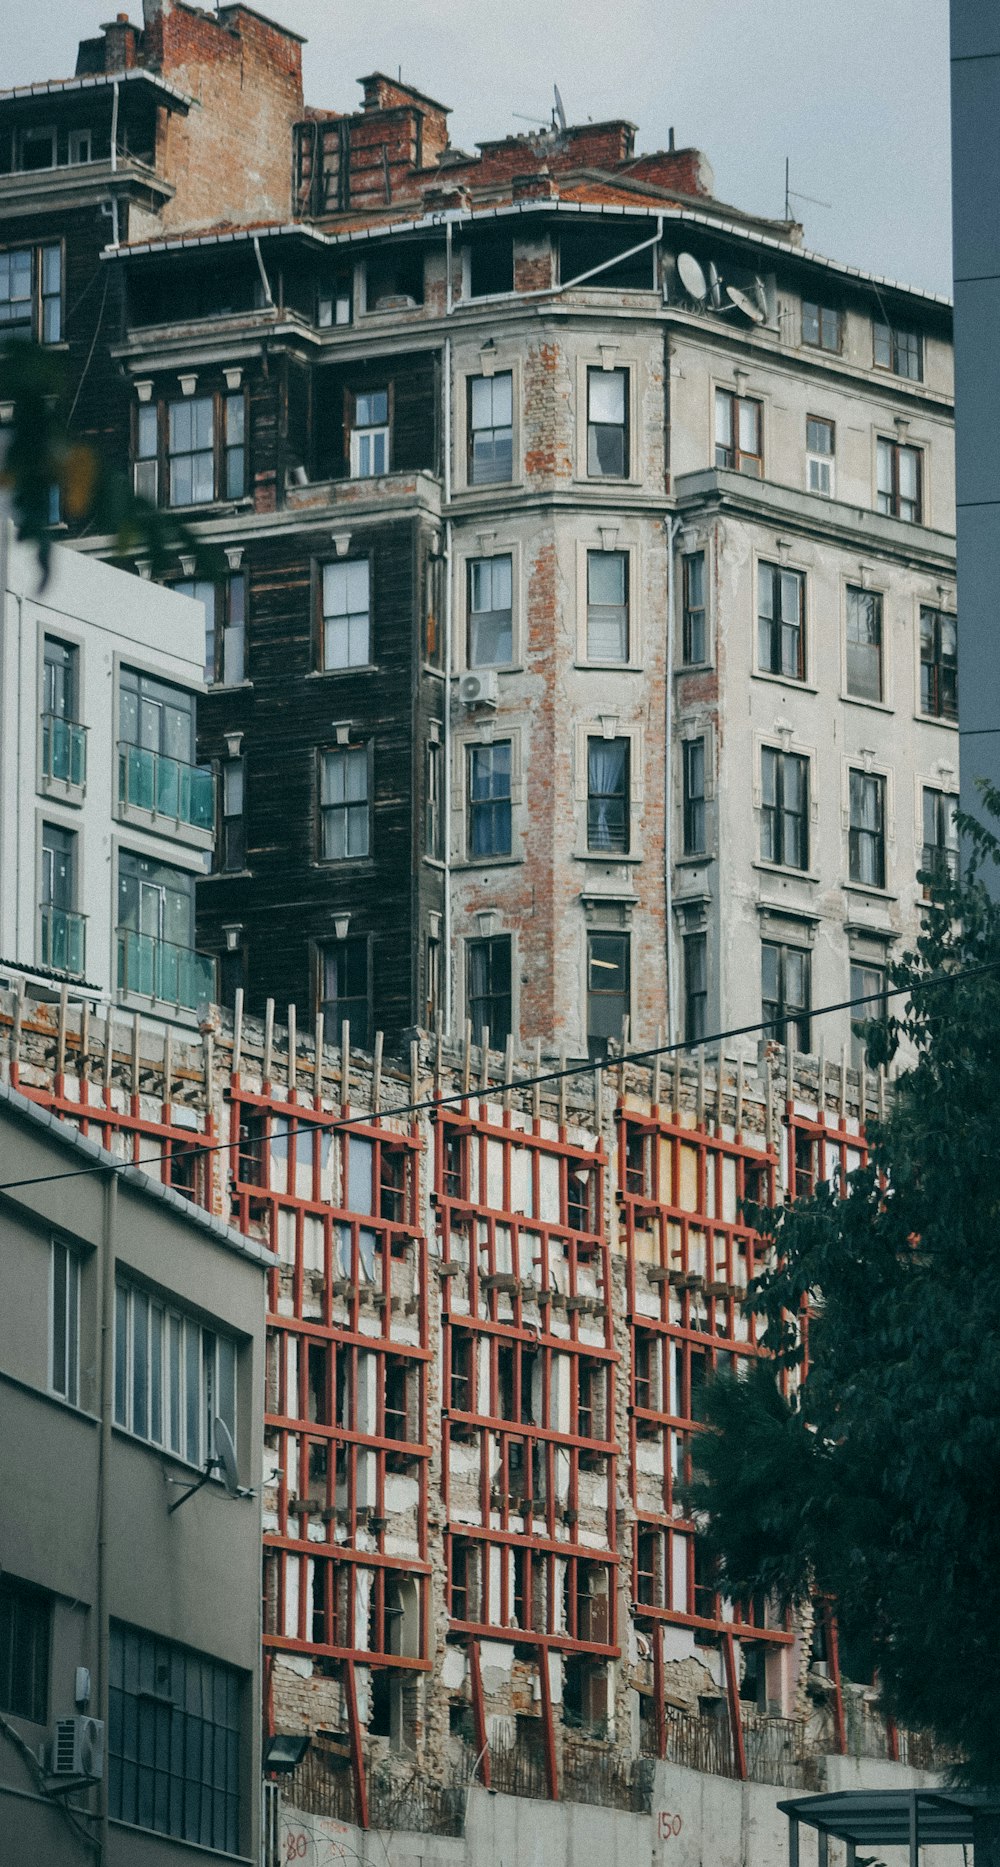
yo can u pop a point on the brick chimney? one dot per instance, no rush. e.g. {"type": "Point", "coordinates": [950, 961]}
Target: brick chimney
{"type": "Point", "coordinates": [537, 185]}
{"type": "Point", "coordinates": [121, 43]}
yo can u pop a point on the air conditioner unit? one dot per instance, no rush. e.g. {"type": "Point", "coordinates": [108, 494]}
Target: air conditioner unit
{"type": "Point", "coordinates": [78, 1748]}
{"type": "Point", "coordinates": [479, 690]}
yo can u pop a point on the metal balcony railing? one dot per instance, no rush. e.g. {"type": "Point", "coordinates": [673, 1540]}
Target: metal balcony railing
{"type": "Point", "coordinates": [167, 786]}
{"type": "Point", "coordinates": [64, 751]}
{"type": "Point", "coordinates": [176, 975]}
{"type": "Point", "coordinates": [63, 938]}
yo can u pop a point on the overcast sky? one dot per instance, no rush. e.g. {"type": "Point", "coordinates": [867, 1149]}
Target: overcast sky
{"type": "Point", "coordinates": [854, 92]}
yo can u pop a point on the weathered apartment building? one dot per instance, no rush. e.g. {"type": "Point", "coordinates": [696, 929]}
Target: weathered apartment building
{"type": "Point", "coordinates": [491, 1310]}
{"type": "Point", "coordinates": [587, 646]}
{"type": "Point", "coordinates": [106, 820]}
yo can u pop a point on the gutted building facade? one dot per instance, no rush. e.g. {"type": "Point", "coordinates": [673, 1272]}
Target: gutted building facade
{"type": "Point", "coordinates": [491, 1310]}
{"type": "Point", "coordinates": [586, 652]}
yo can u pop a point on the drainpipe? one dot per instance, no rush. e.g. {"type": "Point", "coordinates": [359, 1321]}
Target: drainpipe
{"type": "Point", "coordinates": [446, 943]}
{"type": "Point", "coordinates": [671, 527]}
{"type": "Point", "coordinates": [104, 1475]}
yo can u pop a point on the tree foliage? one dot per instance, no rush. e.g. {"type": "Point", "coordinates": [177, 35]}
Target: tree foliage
{"type": "Point", "coordinates": [878, 1481]}
{"type": "Point", "coordinates": [39, 452]}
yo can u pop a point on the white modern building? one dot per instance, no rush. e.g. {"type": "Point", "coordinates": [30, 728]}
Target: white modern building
{"type": "Point", "coordinates": [105, 819]}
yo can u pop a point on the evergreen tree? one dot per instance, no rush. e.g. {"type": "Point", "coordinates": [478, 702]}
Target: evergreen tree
{"type": "Point", "coordinates": [878, 1480]}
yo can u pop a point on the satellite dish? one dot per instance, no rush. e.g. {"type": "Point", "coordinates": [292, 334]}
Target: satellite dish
{"type": "Point", "coordinates": [714, 287]}
{"type": "Point", "coordinates": [691, 276]}
{"type": "Point", "coordinates": [225, 1453]}
{"type": "Point", "coordinates": [743, 302]}
{"type": "Point", "coordinates": [560, 112]}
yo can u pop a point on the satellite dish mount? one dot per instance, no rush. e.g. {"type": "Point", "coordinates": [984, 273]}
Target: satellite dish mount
{"type": "Point", "coordinates": [223, 1462]}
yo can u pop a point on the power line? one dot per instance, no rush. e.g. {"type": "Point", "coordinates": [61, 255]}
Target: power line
{"type": "Point", "coordinates": [564, 1071]}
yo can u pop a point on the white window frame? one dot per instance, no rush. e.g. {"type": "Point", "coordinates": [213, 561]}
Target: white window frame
{"type": "Point", "coordinates": [583, 731]}
{"type": "Point", "coordinates": [631, 550]}
{"type": "Point", "coordinates": [822, 462]}
{"type": "Point", "coordinates": [70, 1347]}
{"type": "Point", "coordinates": [496, 363]}
{"type": "Point", "coordinates": [483, 546]}
{"type": "Point", "coordinates": [611, 357]}
{"type": "Point", "coordinates": [371, 433]}
{"type": "Point", "coordinates": [489, 734]}
{"type": "Point", "coordinates": [855, 762]}
{"type": "Point", "coordinates": [175, 1395]}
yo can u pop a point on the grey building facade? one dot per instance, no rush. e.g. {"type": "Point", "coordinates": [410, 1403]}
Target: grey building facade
{"type": "Point", "coordinates": [131, 1323]}
{"type": "Point", "coordinates": [975, 101]}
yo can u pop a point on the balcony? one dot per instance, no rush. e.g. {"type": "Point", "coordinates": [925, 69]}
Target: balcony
{"type": "Point", "coordinates": [158, 791]}
{"type": "Point", "coordinates": [64, 757]}
{"type": "Point", "coordinates": [63, 938]}
{"type": "Point", "coordinates": [157, 969]}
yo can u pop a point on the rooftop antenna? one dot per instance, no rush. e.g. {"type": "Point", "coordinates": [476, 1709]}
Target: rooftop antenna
{"type": "Point", "coordinates": [559, 114]}
{"type": "Point", "coordinates": [792, 194]}
{"type": "Point", "coordinates": [223, 1462]}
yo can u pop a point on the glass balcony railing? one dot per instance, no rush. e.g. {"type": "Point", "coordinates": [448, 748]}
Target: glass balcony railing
{"type": "Point", "coordinates": [64, 751]}
{"type": "Point", "coordinates": [63, 938]}
{"type": "Point", "coordinates": [176, 975]}
{"type": "Point", "coordinates": [152, 781]}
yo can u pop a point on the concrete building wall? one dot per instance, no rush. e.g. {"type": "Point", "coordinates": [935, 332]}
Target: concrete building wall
{"type": "Point", "coordinates": [109, 621]}
{"type": "Point", "coordinates": [975, 99]}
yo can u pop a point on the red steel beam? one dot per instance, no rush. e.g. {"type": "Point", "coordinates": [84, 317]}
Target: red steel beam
{"type": "Point", "coordinates": [833, 1649]}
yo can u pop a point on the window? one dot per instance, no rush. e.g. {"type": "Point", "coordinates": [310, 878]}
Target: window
{"type": "Point", "coordinates": [347, 614]}
{"type": "Point", "coordinates": [864, 644]}
{"type": "Point", "coordinates": [866, 851]}
{"type": "Point", "coordinates": [898, 351]}
{"type": "Point", "coordinates": [781, 642]}
{"type": "Point", "coordinates": [820, 326]}
{"type": "Point", "coordinates": [334, 300]}
{"type": "Point", "coordinates": [173, 1377]}
{"type": "Point", "coordinates": [394, 279]}
{"type": "Point", "coordinates": [693, 755]}
{"type": "Point", "coordinates": [174, 1741]}
{"type": "Point", "coordinates": [156, 933]}
{"type": "Point", "coordinates": [156, 716]}
{"type": "Point", "coordinates": [648, 1559]}
{"type": "Point", "coordinates": [488, 988]}
{"type": "Point", "coordinates": [156, 772]}
{"type": "Point", "coordinates": [940, 854]}
{"type": "Point", "coordinates": [191, 451]}
{"type": "Point", "coordinates": [232, 845]}
{"type": "Point", "coordinates": [64, 746]}
{"type": "Point", "coordinates": [432, 982]}
{"type": "Point", "coordinates": [234, 443]}
{"type": "Point", "coordinates": [785, 992]}
{"type": "Point", "coordinates": [80, 146]}
{"type": "Point", "coordinates": [25, 1625]}
{"type": "Point", "coordinates": [609, 990]}
{"type": "Point", "coordinates": [784, 818]}
{"type": "Point", "coordinates": [694, 632]}
{"type": "Point", "coordinates": [607, 424]}
{"type": "Point", "coordinates": [938, 663]}
{"type": "Point", "coordinates": [899, 480]}
{"type": "Point", "coordinates": [491, 432]}
{"type": "Point", "coordinates": [344, 807]}
{"type": "Point", "coordinates": [37, 147]}
{"type": "Point", "coordinates": [489, 800]}
{"type": "Point", "coordinates": [62, 928]}
{"type": "Point", "coordinates": [344, 988]}
{"type": "Point", "coordinates": [491, 636]}
{"type": "Point", "coordinates": [491, 264]}
{"type": "Point", "coordinates": [821, 437]}
{"type": "Point", "coordinates": [147, 449]}
{"type": "Point", "coordinates": [370, 434]}
{"type": "Point", "coordinates": [738, 426]}
{"type": "Point", "coordinates": [31, 293]}
{"type": "Point", "coordinates": [608, 796]}
{"type": "Point", "coordinates": [607, 606]}
{"type": "Point", "coordinates": [695, 987]}
{"type": "Point", "coordinates": [64, 1319]}
{"type": "Point", "coordinates": [866, 982]}
{"type": "Point", "coordinates": [465, 1571]}
{"type": "Point", "coordinates": [434, 819]}
{"type": "Point", "coordinates": [224, 604]}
